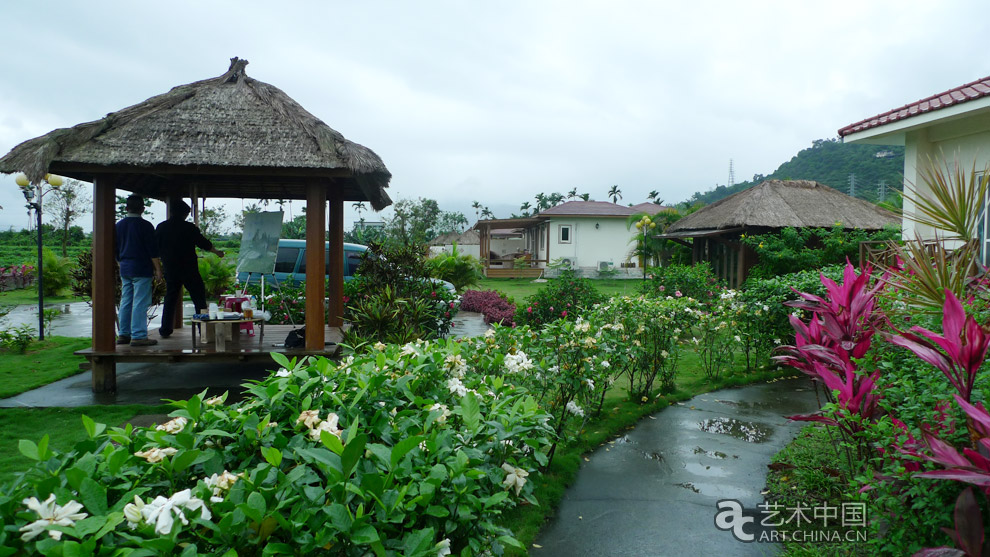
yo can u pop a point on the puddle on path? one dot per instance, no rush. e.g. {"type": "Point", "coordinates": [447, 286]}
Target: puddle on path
{"type": "Point", "coordinates": [688, 485]}
{"type": "Point", "coordinates": [752, 432]}
{"type": "Point", "coordinates": [710, 454]}
{"type": "Point", "coordinates": [701, 469]}
{"type": "Point", "coordinates": [658, 457]}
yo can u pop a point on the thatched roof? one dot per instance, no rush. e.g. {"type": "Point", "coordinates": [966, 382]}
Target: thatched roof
{"type": "Point", "coordinates": [229, 136]}
{"type": "Point", "coordinates": [783, 203]}
{"type": "Point", "coordinates": [468, 237]}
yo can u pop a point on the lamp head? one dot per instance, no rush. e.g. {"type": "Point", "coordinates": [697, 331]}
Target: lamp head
{"type": "Point", "coordinates": [54, 180]}
{"type": "Point", "coordinates": [21, 180]}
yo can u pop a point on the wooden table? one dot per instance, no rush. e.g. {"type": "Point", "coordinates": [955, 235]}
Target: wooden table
{"type": "Point", "coordinates": [221, 330]}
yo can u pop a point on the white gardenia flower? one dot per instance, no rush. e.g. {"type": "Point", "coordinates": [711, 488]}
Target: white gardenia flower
{"type": "Point", "coordinates": [282, 372]}
{"type": "Point", "coordinates": [573, 408]}
{"type": "Point", "coordinates": [582, 326]}
{"type": "Point", "coordinates": [329, 425]}
{"type": "Point", "coordinates": [50, 514]}
{"type": "Point", "coordinates": [590, 384]}
{"type": "Point", "coordinates": [605, 364]}
{"type": "Point", "coordinates": [378, 346]}
{"type": "Point", "coordinates": [409, 349]}
{"type": "Point", "coordinates": [443, 548]}
{"type": "Point", "coordinates": [220, 483]}
{"type": "Point", "coordinates": [175, 425]}
{"type": "Point", "coordinates": [664, 353]}
{"type": "Point", "coordinates": [514, 477]}
{"type": "Point", "coordinates": [456, 364]}
{"type": "Point", "coordinates": [162, 512]}
{"type": "Point", "coordinates": [490, 333]}
{"type": "Point", "coordinates": [309, 417]}
{"type": "Point", "coordinates": [766, 307]}
{"type": "Point", "coordinates": [456, 387]}
{"type": "Point", "coordinates": [156, 454]}
{"type": "Point", "coordinates": [776, 341]}
{"type": "Point", "coordinates": [133, 513]}
{"type": "Point", "coordinates": [213, 401]}
{"type": "Point", "coordinates": [444, 412]}
{"type": "Point", "coordinates": [737, 339]}
{"type": "Point", "coordinates": [518, 362]}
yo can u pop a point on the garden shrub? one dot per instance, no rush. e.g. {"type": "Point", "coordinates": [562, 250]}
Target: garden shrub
{"type": "Point", "coordinates": [696, 281]}
{"type": "Point", "coordinates": [494, 305]}
{"type": "Point", "coordinates": [460, 270]}
{"type": "Point", "coordinates": [796, 249]}
{"type": "Point", "coordinates": [218, 275]}
{"type": "Point", "coordinates": [564, 297]}
{"type": "Point", "coordinates": [286, 304]}
{"type": "Point", "coordinates": [16, 339]}
{"type": "Point", "coordinates": [82, 282]}
{"type": "Point", "coordinates": [56, 272]}
{"type": "Point", "coordinates": [393, 451]}
{"type": "Point", "coordinates": [648, 334]}
{"type": "Point", "coordinates": [393, 298]}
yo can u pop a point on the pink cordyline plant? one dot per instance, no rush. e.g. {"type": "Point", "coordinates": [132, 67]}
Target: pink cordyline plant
{"type": "Point", "coordinates": [841, 328]}
{"type": "Point", "coordinates": [963, 341]}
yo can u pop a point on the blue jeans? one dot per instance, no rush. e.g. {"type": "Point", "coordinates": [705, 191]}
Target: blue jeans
{"type": "Point", "coordinates": [135, 297]}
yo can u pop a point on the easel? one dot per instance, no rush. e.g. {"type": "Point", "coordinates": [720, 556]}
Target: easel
{"type": "Point", "coordinates": [261, 278]}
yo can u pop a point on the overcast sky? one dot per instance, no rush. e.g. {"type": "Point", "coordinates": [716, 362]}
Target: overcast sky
{"type": "Point", "coordinates": [498, 101]}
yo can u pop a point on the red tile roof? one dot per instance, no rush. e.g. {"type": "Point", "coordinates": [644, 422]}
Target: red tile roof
{"type": "Point", "coordinates": [597, 209]}
{"type": "Point", "coordinates": [968, 92]}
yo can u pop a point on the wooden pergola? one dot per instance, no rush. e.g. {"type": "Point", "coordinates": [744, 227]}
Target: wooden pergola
{"type": "Point", "coordinates": [228, 137]}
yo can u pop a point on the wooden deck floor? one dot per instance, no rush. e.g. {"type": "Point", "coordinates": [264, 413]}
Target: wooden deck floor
{"type": "Point", "coordinates": [178, 347]}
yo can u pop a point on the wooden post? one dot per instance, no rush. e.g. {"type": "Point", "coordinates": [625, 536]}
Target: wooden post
{"type": "Point", "coordinates": [336, 255]}
{"type": "Point", "coordinates": [316, 205]}
{"type": "Point", "coordinates": [104, 369]}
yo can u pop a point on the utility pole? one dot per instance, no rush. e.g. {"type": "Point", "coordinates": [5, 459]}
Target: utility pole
{"type": "Point", "coordinates": [732, 175]}
{"type": "Point", "coordinates": [852, 185]}
{"type": "Point", "coordinates": [882, 190]}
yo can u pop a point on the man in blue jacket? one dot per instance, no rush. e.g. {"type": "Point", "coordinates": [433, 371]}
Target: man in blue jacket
{"type": "Point", "coordinates": [177, 243]}
{"type": "Point", "coordinates": [137, 253]}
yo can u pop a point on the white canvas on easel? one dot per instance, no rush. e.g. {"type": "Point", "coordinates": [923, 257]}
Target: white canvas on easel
{"type": "Point", "coordinates": [259, 246]}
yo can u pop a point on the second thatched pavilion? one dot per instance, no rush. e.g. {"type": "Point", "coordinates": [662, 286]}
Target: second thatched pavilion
{"type": "Point", "coordinates": [228, 136]}
{"type": "Point", "coordinates": [715, 230]}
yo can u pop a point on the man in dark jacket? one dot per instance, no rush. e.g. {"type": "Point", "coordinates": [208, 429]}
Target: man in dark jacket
{"type": "Point", "coordinates": [177, 243]}
{"type": "Point", "coordinates": [137, 253]}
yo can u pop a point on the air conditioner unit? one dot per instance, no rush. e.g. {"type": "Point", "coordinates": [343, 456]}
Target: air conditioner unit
{"type": "Point", "coordinates": [566, 262]}
{"type": "Point", "coordinates": [604, 265]}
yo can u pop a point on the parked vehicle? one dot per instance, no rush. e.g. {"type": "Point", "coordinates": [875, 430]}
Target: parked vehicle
{"type": "Point", "coordinates": [290, 263]}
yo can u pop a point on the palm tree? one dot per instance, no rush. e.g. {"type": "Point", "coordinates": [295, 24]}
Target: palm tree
{"type": "Point", "coordinates": [359, 207]}
{"type": "Point", "coordinates": [525, 207]}
{"type": "Point", "coordinates": [572, 194]}
{"type": "Point", "coordinates": [615, 193]}
{"type": "Point", "coordinates": [477, 208]}
{"type": "Point", "coordinates": [653, 196]}
{"type": "Point", "coordinates": [541, 202]}
{"type": "Point", "coordinates": [486, 213]}
{"type": "Point", "coordinates": [585, 197]}
{"type": "Point", "coordinates": [554, 199]}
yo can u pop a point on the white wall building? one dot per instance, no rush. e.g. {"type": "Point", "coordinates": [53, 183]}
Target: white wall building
{"type": "Point", "coordinates": [947, 127]}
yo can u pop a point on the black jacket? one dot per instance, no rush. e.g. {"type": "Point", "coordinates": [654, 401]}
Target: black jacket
{"type": "Point", "coordinates": [177, 242]}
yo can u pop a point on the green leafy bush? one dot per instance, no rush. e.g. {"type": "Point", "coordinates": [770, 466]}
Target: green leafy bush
{"type": "Point", "coordinates": [460, 270]}
{"type": "Point", "coordinates": [565, 297]}
{"type": "Point", "coordinates": [16, 339]}
{"type": "Point", "coordinates": [218, 275]}
{"type": "Point", "coordinates": [56, 272]}
{"type": "Point", "coordinates": [696, 281]}
{"type": "Point", "coordinates": [796, 249]}
{"type": "Point", "coordinates": [392, 451]}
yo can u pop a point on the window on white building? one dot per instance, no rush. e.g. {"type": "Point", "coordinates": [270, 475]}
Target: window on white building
{"type": "Point", "coordinates": [564, 234]}
{"type": "Point", "coordinates": [983, 230]}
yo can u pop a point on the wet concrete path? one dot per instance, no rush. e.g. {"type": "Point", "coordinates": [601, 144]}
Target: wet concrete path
{"type": "Point", "coordinates": [654, 491]}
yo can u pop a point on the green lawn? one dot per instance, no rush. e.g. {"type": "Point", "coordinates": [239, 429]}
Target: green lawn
{"type": "Point", "coordinates": [43, 363]}
{"type": "Point", "coordinates": [30, 296]}
{"type": "Point", "coordinates": [62, 425]}
{"type": "Point", "coordinates": [521, 288]}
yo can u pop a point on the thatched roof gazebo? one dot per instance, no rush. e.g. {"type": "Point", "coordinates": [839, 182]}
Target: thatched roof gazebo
{"type": "Point", "coordinates": [767, 207]}
{"type": "Point", "coordinates": [229, 136]}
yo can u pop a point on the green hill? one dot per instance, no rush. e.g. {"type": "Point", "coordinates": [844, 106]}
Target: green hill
{"type": "Point", "coordinates": [831, 162]}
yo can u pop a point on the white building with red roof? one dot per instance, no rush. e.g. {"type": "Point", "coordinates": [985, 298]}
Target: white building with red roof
{"type": "Point", "coordinates": [953, 125]}
{"type": "Point", "coordinates": [588, 236]}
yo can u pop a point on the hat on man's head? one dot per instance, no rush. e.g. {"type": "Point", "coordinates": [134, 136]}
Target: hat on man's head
{"type": "Point", "coordinates": [179, 209]}
{"type": "Point", "coordinates": [135, 204]}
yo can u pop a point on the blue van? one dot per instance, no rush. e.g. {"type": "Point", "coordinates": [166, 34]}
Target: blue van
{"type": "Point", "coordinates": [290, 260]}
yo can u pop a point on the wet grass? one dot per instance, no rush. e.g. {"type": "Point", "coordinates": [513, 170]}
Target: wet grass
{"type": "Point", "coordinates": [619, 414]}
{"type": "Point", "coordinates": [62, 425]}
{"type": "Point", "coordinates": [43, 363]}
{"type": "Point", "coordinates": [521, 288]}
{"type": "Point", "coordinates": [29, 295]}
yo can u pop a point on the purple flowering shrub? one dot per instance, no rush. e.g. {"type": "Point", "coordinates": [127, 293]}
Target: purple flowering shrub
{"type": "Point", "coordinates": [494, 305]}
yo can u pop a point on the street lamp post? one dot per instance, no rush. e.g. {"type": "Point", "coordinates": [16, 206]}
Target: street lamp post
{"type": "Point", "coordinates": [29, 195]}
